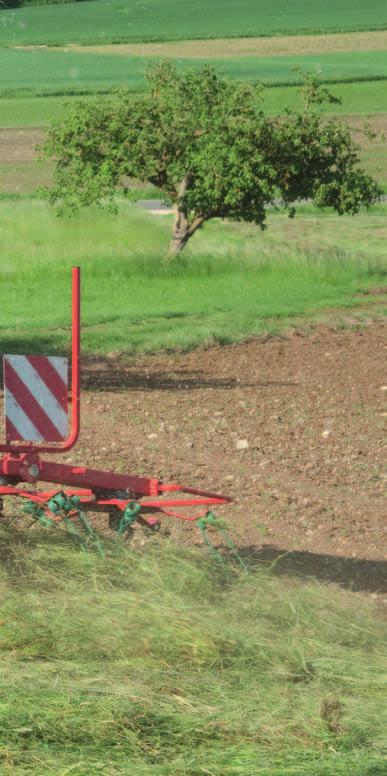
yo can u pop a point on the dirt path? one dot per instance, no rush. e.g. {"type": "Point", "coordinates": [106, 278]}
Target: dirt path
{"type": "Point", "coordinates": [311, 409]}
{"type": "Point", "coordinates": [282, 45]}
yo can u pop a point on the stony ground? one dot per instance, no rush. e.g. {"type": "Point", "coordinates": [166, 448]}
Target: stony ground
{"type": "Point", "coordinates": [291, 428]}
{"type": "Point", "coordinates": [308, 412]}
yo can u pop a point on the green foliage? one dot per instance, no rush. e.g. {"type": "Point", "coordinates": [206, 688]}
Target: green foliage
{"type": "Point", "coordinates": [20, 3]}
{"type": "Point", "coordinates": [163, 661]}
{"type": "Point", "coordinates": [210, 147]}
{"type": "Point", "coordinates": [126, 20]}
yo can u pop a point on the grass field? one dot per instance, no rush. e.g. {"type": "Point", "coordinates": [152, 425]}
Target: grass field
{"type": "Point", "coordinates": [122, 20]}
{"type": "Point", "coordinates": [233, 281]}
{"type": "Point", "coordinates": [60, 72]}
{"type": "Point", "coordinates": [30, 111]}
{"type": "Point", "coordinates": [166, 662]}
{"type": "Point", "coordinates": [360, 99]}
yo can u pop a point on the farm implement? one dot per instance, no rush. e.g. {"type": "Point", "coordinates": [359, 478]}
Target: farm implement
{"type": "Point", "coordinates": [43, 416]}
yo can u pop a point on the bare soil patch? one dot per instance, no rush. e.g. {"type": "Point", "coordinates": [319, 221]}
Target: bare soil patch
{"type": "Point", "coordinates": [242, 47]}
{"type": "Point", "coordinates": [19, 145]}
{"type": "Point", "coordinates": [377, 123]}
{"type": "Point", "coordinates": [311, 407]}
{"type": "Point", "coordinates": [19, 171]}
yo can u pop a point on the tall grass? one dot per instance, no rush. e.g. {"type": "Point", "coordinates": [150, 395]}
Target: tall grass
{"type": "Point", "coordinates": [163, 661]}
{"type": "Point", "coordinates": [232, 281]}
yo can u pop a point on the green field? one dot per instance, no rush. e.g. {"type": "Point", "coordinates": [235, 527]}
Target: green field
{"type": "Point", "coordinates": [63, 72]}
{"type": "Point", "coordinates": [165, 661]}
{"type": "Point", "coordinates": [359, 99]}
{"type": "Point", "coordinates": [232, 282]}
{"type": "Point", "coordinates": [124, 20]}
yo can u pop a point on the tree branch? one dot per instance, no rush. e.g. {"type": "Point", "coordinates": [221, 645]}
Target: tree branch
{"type": "Point", "coordinates": [196, 223]}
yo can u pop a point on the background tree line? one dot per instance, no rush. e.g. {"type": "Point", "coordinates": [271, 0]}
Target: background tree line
{"type": "Point", "coordinates": [19, 3]}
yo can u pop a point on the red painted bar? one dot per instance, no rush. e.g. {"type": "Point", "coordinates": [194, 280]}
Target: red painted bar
{"type": "Point", "coordinates": [96, 480]}
{"type": "Point", "coordinates": [75, 381]}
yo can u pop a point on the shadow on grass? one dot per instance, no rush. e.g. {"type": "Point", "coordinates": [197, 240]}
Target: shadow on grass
{"type": "Point", "coordinates": [34, 344]}
{"type": "Point", "coordinates": [356, 574]}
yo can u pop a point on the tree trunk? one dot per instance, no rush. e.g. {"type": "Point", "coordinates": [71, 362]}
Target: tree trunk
{"type": "Point", "coordinates": [180, 234]}
{"type": "Point", "coordinates": [182, 229]}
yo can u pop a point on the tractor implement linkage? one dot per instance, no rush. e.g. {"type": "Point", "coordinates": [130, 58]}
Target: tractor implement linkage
{"type": "Point", "coordinates": [36, 399]}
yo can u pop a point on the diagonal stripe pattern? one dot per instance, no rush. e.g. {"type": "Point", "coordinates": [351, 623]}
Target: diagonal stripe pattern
{"type": "Point", "coordinates": [36, 402]}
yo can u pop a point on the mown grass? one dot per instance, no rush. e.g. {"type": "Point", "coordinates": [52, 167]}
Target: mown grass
{"type": "Point", "coordinates": [233, 281]}
{"type": "Point", "coordinates": [362, 98]}
{"type": "Point", "coordinates": [32, 111]}
{"type": "Point", "coordinates": [164, 661]}
{"type": "Point", "coordinates": [122, 20]}
{"type": "Point", "coordinates": [45, 71]}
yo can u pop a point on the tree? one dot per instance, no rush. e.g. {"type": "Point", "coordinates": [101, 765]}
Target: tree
{"type": "Point", "coordinates": [209, 146]}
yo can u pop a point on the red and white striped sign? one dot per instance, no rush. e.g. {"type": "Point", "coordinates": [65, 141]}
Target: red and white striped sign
{"type": "Point", "coordinates": [35, 393]}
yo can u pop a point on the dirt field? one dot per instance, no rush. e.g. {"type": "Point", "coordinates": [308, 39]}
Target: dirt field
{"type": "Point", "coordinates": [19, 171]}
{"type": "Point", "coordinates": [284, 45]}
{"type": "Point", "coordinates": [311, 409]}
{"type": "Point", "coordinates": [19, 145]}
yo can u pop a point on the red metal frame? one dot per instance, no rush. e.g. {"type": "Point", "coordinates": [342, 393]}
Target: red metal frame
{"type": "Point", "coordinates": [75, 394]}
{"type": "Point", "coordinates": [98, 490]}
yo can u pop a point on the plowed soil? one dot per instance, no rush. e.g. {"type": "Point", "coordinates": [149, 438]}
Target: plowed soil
{"type": "Point", "coordinates": [308, 411]}
{"type": "Point", "coordinates": [19, 145]}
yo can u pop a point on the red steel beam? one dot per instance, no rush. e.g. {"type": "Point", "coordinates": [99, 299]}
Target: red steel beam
{"type": "Point", "coordinates": [194, 492]}
{"type": "Point", "coordinates": [82, 477]}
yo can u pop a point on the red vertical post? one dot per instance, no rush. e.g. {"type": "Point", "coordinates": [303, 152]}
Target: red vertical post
{"type": "Point", "coordinates": [75, 360]}
{"type": "Point", "coordinates": [29, 447]}
{"type": "Point", "coordinates": [75, 397]}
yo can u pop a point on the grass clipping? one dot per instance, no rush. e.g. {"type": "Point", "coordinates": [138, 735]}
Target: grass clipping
{"type": "Point", "coordinates": [163, 661]}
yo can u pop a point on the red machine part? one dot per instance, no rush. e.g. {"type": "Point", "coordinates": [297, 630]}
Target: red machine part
{"type": "Point", "coordinates": [75, 394]}
{"type": "Point", "coordinates": [97, 489]}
